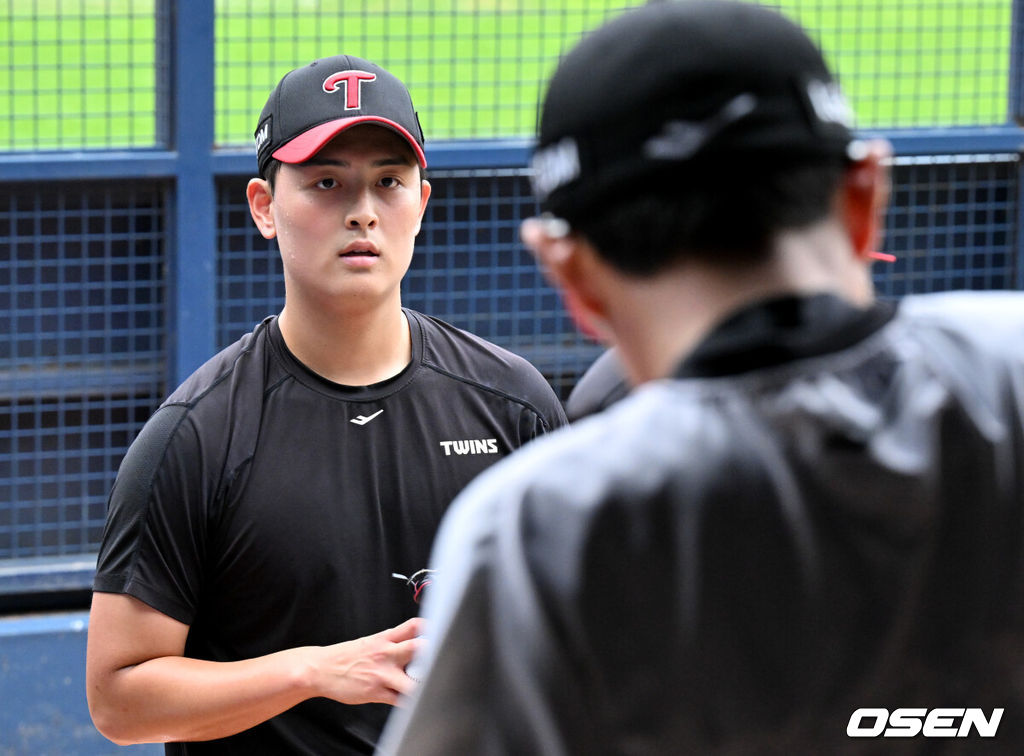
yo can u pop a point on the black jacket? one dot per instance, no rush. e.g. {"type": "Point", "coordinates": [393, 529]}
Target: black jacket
{"type": "Point", "coordinates": [823, 511]}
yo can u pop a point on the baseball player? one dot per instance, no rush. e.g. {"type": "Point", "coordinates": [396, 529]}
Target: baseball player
{"type": "Point", "coordinates": [251, 592]}
{"type": "Point", "coordinates": [600, 386]}
{"type": "Point", "coordinates": [812, 505]}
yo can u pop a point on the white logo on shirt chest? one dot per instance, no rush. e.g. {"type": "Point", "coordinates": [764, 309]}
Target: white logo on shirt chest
{"type": "Point", "coordinates": [470, 446]}
{"type": "Point", "coordinates": [363, 419]}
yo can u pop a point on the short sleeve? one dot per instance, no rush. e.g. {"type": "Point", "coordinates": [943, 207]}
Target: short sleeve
{"type": "Point", "coordinates": [154, 540]}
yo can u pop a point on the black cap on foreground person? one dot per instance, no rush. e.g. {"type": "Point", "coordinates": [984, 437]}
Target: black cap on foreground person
{"type": "Point", "coordinates": [705, 111]}
{"type": "Point", "coordinates": [733, 86]}
{"type": "Point", "coordinates": [618, 117]}
{"type": "Point", "coordinates": [802, 532]}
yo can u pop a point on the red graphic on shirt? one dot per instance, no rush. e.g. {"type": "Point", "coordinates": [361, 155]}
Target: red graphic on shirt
{"type": "Point", "coordinates": [417, 581]}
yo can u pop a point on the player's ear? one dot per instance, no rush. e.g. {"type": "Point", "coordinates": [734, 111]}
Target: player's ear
{"type": "Point", "coordinates": [567, 261]}
{"type": "Point", "coordinates": [260, 199]}
{"type": "Point", "coordinates": [865, 196]}
{"type": "Point", "coordinates": [425, 190]}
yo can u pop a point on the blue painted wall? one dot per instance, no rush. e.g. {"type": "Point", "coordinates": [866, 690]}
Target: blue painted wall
{"type": "Point", "coordinates": [43, 710]}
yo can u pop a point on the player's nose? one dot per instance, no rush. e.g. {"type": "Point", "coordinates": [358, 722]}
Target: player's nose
{"type": "Point", "coordinates": [362, 212]}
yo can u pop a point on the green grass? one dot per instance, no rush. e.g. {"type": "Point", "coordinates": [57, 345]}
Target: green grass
{"type": "Point", "coordinates": [82, 73]}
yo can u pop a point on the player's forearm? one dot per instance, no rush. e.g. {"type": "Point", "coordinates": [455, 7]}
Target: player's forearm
{"type": "Point", "coordinates": [175, 698]}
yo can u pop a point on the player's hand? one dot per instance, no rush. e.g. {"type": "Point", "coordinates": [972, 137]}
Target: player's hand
{"type": "Point", "coordinates": [370, 669]}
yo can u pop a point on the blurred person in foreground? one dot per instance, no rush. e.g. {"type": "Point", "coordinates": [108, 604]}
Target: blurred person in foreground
{"type": "Point", "coordinates": [810, 511]}
{"type": "Point", "coordinates": [268, 529]}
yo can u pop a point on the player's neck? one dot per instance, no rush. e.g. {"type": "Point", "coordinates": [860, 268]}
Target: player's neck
{"type": "Point", "coordinates": [658, 321]}
{"type": "Point", "coordinates": [359, 349]}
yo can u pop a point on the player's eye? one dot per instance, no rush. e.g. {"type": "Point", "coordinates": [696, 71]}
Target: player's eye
{"type": "Point", "coordinates": [326, 183]}
{"type": "Point", "coordinates": [389, 182]}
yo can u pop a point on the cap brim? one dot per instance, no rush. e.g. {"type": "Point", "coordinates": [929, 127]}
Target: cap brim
{"type": "Point", "coordinates": [308, 143]}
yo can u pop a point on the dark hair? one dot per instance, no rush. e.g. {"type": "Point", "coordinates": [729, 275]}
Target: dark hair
{"type": "Point", "coordinates": [271, 171]}
{"type": "Point", "coordinates": [729, 214]}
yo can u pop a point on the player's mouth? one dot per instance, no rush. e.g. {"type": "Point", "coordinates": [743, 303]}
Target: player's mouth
{"type": "Point", "coordinates": [360, 249]}
{"type": "Point", "coordinates": [360, 254]}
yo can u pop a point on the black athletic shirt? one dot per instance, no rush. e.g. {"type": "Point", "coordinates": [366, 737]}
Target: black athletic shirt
{"type": "Point", "coordinates": [269, 508]}
{"type": "Point", "coordinates": [603, 384]}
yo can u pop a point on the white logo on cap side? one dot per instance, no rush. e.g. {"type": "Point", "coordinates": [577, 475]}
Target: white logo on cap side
{"type": "Point", "coordinates": [262, 135]}
{"type": "Point", "coordinates": [555, 166]}
{"type": "Point", "coordinates": [681, 140]}
{"type": "Point", "coordinates": [829, 104]}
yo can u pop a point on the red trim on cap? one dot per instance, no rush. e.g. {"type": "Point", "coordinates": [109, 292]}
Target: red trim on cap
{"type": "Point", "coordinates": [308, 143]}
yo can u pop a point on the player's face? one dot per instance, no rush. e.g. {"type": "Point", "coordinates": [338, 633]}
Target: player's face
{"type": "Point", "coordinates": [346, 220]}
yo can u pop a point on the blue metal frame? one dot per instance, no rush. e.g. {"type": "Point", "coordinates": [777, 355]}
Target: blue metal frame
{"type": "Point", "coordinates": [193, 318]}
{"type": "Point", "coordinates": [448, 155]}
{"type": "Point", "coordinates": [187, 158]}
{"type": "Point", "coordinates": [1015, 107]}
{"type": "Point", "coordinates": [977, 140]}
{"type": "Point", "coordinates": [1015, 104]}
{"type": "Point", "coordinates": [21, 577]}
{"type": "Point", "coordinates": [93, 164]}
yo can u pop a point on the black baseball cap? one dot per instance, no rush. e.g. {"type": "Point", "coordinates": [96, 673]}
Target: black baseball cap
{"type": "Point", "coordinates": [313, 104]}
{"type": "Point", "coordinates": [696, 85]}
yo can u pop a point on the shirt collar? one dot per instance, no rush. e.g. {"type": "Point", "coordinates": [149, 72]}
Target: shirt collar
{"type": "Point", "coordinates": [775, 331]}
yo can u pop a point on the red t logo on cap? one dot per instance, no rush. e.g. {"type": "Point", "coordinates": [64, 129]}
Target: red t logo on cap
{"type": "Point", "coordinates": [353, 81]}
